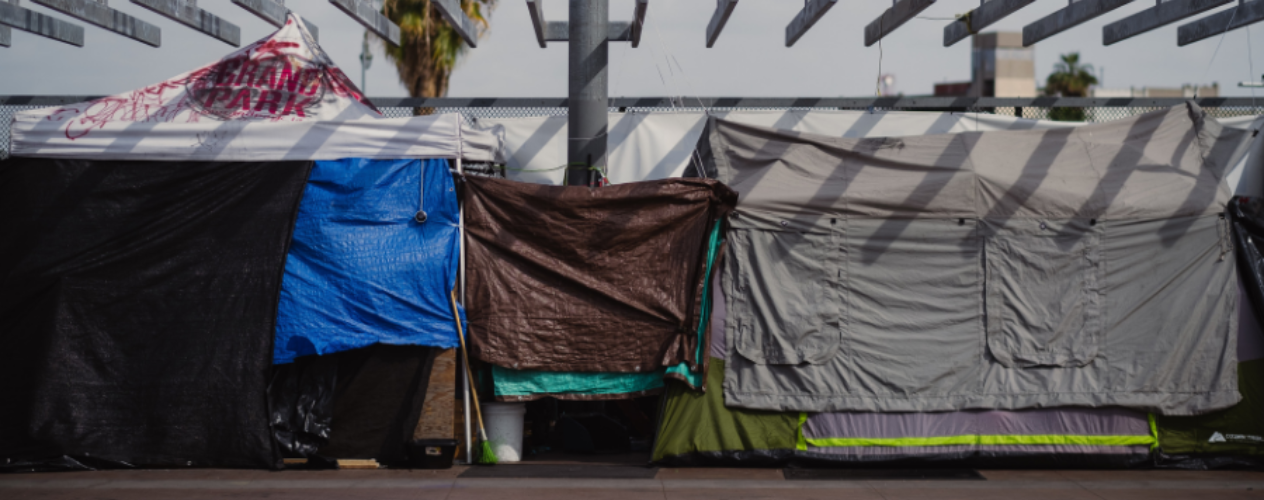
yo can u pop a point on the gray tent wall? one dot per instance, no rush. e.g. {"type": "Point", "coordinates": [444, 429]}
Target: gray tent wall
{"type": "Point", "coordinates": [1086, 436]}
{"type": "Point", "coordinates": [1101, 436]}
{"type": "Point", "coordinates": [1089, 256]}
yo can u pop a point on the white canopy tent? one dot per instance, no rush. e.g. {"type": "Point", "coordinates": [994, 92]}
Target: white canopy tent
{"type": "Point", "coordinates": [280, 98]}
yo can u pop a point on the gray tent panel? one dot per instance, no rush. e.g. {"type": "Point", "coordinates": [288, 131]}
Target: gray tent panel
{"type": "Point", "coordinates": [1001, 270]}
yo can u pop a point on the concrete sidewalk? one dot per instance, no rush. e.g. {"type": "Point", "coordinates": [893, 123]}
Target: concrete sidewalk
{"type": "Point", "coordinates": [667, 484]}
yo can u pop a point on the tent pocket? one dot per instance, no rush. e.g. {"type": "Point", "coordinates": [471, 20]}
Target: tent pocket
{"type": "Point", "coordinates": [787, 285]}
{"type": "Point", "coordinates": [1043, 293]}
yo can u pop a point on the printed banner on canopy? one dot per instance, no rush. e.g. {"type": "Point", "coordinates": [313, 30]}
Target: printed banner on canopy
{"type": "Point", "coordinates": [284, 77]}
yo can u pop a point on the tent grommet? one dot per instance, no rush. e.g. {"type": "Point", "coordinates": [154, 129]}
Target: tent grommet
{"type": "Point", "coordinates": [420, 217]}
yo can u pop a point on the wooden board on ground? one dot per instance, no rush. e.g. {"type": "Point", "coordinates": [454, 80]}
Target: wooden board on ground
{"type": "Point", "coordinates": [439, 408]}
{"type": "Point", "coordinates": [357, 464]}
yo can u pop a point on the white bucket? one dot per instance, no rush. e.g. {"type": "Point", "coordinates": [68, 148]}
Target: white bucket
{"type": "Point", "coordinates": [504, 429]}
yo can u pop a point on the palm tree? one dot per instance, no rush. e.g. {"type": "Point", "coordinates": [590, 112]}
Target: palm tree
{"type": "Point", "coordinates": [428, 47]}
{"type": "Point", "coordinates": [1069, 79]}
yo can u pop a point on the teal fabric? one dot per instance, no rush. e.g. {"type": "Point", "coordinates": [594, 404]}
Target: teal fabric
{"type": "Point", "coordinates": [510, 383]}
{"type": "Point", "coordinates": [694, 379]}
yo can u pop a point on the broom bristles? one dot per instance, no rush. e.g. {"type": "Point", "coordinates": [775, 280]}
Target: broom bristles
{"type": "Point", "coordinates": [485, 455]}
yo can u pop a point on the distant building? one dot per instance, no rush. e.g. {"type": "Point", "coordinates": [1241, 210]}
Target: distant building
{"type": "Point", "coordinates": [1185, 91]}
{"type": "Point", "coordinates": [952, 89]}
{"type": "Point", "coordinates": [1000, 67]}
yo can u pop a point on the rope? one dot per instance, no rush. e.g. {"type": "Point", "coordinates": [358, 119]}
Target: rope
{"type": "Point", "coordinates": [1250, 63]}
{"type": "Point", "coordinates": [1217, 51]}
{"type": "Point", "coordinates": [420, 216]}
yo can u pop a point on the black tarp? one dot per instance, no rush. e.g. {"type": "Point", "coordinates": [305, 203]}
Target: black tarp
{"type": "Point", "coordinates": [1247, 215]}
{"type": "Point", "coordinates": [137, 310]}
{"type": "Point", "coordinates": [362, 403]}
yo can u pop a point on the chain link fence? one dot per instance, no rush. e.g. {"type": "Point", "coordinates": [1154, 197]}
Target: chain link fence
{"type": "Point", "coordinates": [475, 114]}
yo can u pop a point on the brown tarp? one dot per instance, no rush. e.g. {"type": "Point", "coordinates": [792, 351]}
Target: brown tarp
{"type": "Point", "coordinates": [588, 279]}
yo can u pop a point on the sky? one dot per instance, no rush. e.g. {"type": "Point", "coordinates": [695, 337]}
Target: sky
{"type": "Point", "coordinates": [749, 60]}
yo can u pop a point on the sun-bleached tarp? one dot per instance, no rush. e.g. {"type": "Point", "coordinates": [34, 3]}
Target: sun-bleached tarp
{"type": "Point", "coordinates": [1087, 266]}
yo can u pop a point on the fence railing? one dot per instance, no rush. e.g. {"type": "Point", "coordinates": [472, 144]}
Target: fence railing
{"type": "Point", "coordinates": [475, 108]}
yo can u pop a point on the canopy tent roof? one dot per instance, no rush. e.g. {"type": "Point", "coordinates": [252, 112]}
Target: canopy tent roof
{"type": "Point", "coordinates": [280, 98]}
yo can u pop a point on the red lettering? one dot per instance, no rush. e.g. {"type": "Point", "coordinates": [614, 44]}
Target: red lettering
{"type": "Point", "coordinates": [301, 108]}
{"type": "Point", "coordinates": [271, 99]}
{"type": "Point", "coordinates": [268, 76]}
{"type": "Point", "coordinates": [247, 73]}
{"type": "Point", "coordinates": [227, 71]}
{"type": "Point", "coordinates": [312, 77]}
{"type": "Point", "coordinates": [289, 106]}
{"type": "Point", "coordinates": [290, 77]}
{"type": "Point", "coordinates": [213, 94]}
{"type": "Point", "coordinates": [243, 97]}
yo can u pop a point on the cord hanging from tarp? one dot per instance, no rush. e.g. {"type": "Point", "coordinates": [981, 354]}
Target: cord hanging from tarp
{"type": "Point", "coordinates": [420, 217]}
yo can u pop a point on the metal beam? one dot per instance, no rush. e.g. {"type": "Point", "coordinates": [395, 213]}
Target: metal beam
{"type": "Point", "coordinates": [1229, 19]}
{"type": "Point", "coordinates": [40, 24]}
{"type": "Point", "coordinates": [560, 31]}
{"type": "Point", "coordinates": [536, 9]}
{"type": "Point", "coordinates": [367, 15]}
{"type": "Point", "coordinates": [557, 31]}
{"type": "Point", "coordinates": [186, 12]}
{"type": "Point", "coordinates": [1075, 14]}
{"type": "Point", "coordinates": [891, 19]}
{"type": "Point", "coordinates": [274, 13]}
{"type": "Point", "coordinates": [937, 103]}
{"type": "Point", "coordinates": [1162, 14]}
{"type": "Point", "coordinates": [464, 26]}
{"type": "Point", "coordinates": [803, 21]}
{"type": "Point", "coordinates": [97, 13]}
{"type": "Point", "coordinates": [723, 9]}
{"type": "Point", "coordinates": [638, 21]}
{"type": "Point", "coordinates": [987, 14]}
{"type": "Point", "coordinates": [6, 36]}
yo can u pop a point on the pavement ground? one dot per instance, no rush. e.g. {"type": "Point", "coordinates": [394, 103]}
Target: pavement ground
{"type": "Point", "coordinates": [700, 483]}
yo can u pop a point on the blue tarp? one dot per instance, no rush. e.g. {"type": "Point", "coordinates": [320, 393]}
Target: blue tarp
{"type": "Point", "coordinates": [360, 269]}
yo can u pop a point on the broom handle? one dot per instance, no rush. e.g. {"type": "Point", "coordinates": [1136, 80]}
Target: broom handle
{"type": "Point", "coordinates": [460, 332]}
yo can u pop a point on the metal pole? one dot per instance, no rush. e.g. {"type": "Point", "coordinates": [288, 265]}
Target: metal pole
{"type": "Point", "coordinates": [366, 60]}
{"type": "Point", "coordinates": [460, 224]}
{"type": "Point", "coordinates": [589, 103]}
